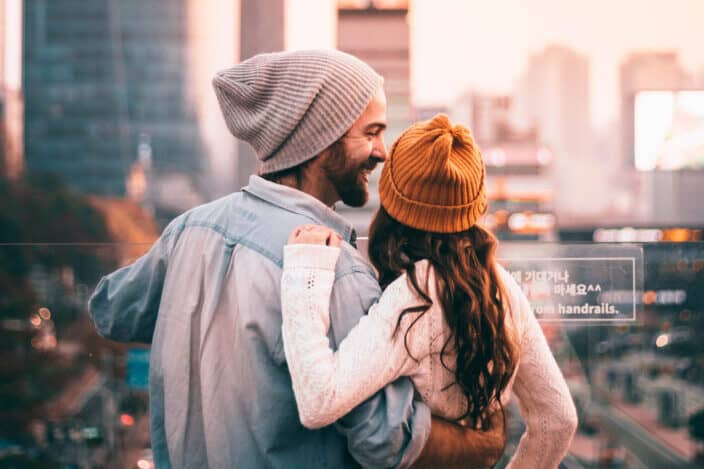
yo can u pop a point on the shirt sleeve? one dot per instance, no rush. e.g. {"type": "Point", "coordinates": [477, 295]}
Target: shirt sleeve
{"type": "Point", "coordinates": [390, 428]}
{"type": "Point", "coordinates": [328, 384]}
{"type": "Point", "coordinates": [125, 303]}
{"type": "Point", "coordinates": [543, 396]}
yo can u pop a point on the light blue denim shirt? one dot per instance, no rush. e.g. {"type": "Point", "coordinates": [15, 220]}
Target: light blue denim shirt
{"type": "Point", "coordinates": [207, 297]}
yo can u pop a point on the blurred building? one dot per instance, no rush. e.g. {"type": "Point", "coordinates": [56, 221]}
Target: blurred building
{"type": "Point", "coordinates": [10, 90]}
{"type": "Point", "coordinates": [518, 165]}
{"type": "Point", "coordinates": [520, 190]}
{"type": "Point", "coordinates": [275, 25]}
{"type": "Point", "coordinates": [378, 32]}
{"type": "Point", "coordinates": [424, 113]}
{"type": "Point", "coordinates": [261, 30]}
{"type": "Point", "coordinates": [102, 78]}
{"type": "Point", "coordinates": [666, 197]}
{"type": "Point", "coordinates": [646, 71]}
{"type": "Point", "coordinates": [553, 99]}
{"type": "Point", "coordinates": [552, 96]}
{"type": "Point", "coordinates": [489, 117]}
{"type": "Point", "coordinates": [213, 32]}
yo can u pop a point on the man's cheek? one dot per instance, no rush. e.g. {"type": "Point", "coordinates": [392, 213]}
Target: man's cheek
{"type": "Point", "coordinates": [359, 146]}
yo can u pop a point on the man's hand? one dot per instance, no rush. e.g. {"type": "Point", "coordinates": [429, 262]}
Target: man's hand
{"type": "Point", "coordinates": [452, 446]}
{"type": "Point", "coordinates": [315, 234]}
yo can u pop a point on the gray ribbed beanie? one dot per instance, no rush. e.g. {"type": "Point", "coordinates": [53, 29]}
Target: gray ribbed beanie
{"type": "Point", "coordinates": [290, 106]}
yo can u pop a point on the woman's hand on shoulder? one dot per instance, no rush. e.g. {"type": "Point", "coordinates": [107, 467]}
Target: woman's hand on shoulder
{"type": "Point", "coordinates": [315, 234]}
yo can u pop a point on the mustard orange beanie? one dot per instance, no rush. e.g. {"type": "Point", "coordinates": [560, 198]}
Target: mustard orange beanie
{"type": "Point", "coordinates": [434, 177]}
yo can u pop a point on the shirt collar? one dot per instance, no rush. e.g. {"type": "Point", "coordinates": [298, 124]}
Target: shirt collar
{"type": "Point", "coordinates": [302, 203]}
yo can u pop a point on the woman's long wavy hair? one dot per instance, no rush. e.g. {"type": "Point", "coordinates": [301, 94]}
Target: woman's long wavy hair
{"type": "Point", "coordinates": [471, 297]}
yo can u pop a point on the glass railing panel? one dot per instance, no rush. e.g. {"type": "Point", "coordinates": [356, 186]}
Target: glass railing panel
{"type": "Point", "coordinates": [69, 397]}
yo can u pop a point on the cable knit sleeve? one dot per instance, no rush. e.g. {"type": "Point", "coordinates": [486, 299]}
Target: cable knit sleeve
{"type": "Point", "coordinates": [327, 384]}
{"type": "Point", "coordinates": [543, 395]}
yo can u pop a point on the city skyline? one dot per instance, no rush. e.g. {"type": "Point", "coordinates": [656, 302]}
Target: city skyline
{"type": "Point", "coordinates": [444, 59]}
{"type": "Point", "coordinates": [606, 34]}
{"type": "Point", "coordinates": [120, 93]}
{"type": "Point", "coordinates": [553, 91]}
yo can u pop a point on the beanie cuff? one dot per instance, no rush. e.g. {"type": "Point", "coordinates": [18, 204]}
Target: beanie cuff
{"type": "Point", "coordinates": [429, 217]}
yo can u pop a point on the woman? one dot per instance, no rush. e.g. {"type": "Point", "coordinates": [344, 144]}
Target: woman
{"type": "Point", "coordinates": [450, 317]}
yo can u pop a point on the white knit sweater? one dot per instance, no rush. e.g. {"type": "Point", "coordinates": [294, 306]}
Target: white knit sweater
{"type": "Point", "coordinates": [328, 384]}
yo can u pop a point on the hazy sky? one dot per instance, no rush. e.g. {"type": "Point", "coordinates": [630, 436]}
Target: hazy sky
{"type": "Point", "coordinates": [485, 44]}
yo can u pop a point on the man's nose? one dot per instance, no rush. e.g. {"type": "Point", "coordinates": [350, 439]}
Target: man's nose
{"type": "Point", "coordinates": [380, 151]}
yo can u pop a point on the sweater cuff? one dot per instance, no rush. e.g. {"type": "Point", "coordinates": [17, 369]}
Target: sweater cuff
{"type": "Point", "coordinates": [310, 256]}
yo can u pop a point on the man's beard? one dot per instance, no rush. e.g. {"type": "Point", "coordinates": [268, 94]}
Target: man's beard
{"type": "Point", "coordinates": [346, 178]}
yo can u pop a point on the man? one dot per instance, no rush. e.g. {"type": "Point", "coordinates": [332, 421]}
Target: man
{"type": "Point", "coordinates": [207, 295]}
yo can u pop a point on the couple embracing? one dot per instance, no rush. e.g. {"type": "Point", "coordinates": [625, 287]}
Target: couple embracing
{"type": "Point", "coordinates": [275, 343]}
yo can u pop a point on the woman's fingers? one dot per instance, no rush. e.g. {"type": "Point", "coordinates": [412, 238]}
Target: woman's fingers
{"type": "Point", "coordinates": [335, 240]}
{"type": "Point", "coordinates": [314, 234]}
{"type": "Point", "coordinates": [293, 235]}
{"type": "Point", "coordinates": [300, 233]}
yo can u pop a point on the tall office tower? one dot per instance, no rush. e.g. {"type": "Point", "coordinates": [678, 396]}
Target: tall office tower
{"type": "Point", "coordinates": [11, 161]}
{"type": "Point", "coordinates": [378, 33]}
{"type": "Point", "coordinates": [645, 71]}
{"type": "Point", "coordinates": [553, 97]}
{"type": "Point", "coordinates": [213, 31]}
{"type": "Point", "coordinates": [105, 86]}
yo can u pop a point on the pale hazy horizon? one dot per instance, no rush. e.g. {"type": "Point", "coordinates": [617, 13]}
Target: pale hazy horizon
{"type": "Point", "coordinates": [459, 45]}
